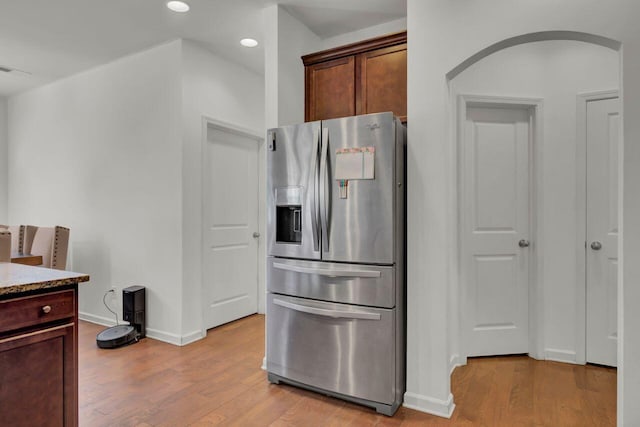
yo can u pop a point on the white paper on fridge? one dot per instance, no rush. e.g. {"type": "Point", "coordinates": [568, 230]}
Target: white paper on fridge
{"type": "Point", "coordinates": [355, 163]}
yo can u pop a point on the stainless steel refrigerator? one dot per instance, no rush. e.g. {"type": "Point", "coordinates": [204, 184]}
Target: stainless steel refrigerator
{"type": "Point", "coordinates": [335, 267]}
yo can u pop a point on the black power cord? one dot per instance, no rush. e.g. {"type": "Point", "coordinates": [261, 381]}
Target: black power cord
{"type": "Point", "coordinates": [106, 305]}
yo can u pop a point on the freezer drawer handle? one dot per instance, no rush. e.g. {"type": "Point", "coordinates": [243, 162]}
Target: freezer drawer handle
{"type": "Point", "coordinates": [336, 314]}
{"type": "Point", "coordinates": [326, 271]}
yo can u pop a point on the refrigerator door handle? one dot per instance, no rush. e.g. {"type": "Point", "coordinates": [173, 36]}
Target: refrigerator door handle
{"type": "Point", "coordinates": [324, 201]}
{"type": "Point", "coordinates": [327, 272]}
{"type": "Point", "coordinates": [336, 314]}
{"type": "Point", "coordinates": [313, 186]}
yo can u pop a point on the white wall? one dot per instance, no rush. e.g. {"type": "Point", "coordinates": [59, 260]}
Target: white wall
{"type": "Point", "coordinates": [443, 34]}
{"type": "Point", "coordinates": [286, 40]}
{"type": "Point", "coordinates": [115, 154]}
{"type": "Point", "coordinates": [4, 162]}
{"type": "Point", "coordinates": [226, 92]}
{"type": "Point", "coordinates": [100, 152]}
{"type": "Point", "coordinates": [555, 72]}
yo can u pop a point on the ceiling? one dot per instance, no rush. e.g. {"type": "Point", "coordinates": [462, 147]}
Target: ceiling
{"type": "Point", "coordinates": [49, 39]}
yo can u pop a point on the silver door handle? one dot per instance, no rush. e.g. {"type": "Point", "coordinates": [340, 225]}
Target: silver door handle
{"type": "Point", "coordinates": [324, 203]}
{"type": "Point", "coordinates": [256, 234]}
{"type": "Point", "coordinates": [596, 246]}
{"type": "Point", "coordinates": [330, 272]}
{"type": "Point", "coordinates": [523, 243]}
{"type": "Point", "coordinates": [336, 314]}
{"type": "Point", "coordinates": [313, 186]}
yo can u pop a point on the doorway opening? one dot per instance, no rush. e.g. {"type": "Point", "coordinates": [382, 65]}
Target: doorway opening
{"type": "Point", "coordinates": [554, 73]}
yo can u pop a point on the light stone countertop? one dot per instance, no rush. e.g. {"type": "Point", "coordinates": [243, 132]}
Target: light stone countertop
{"type": "Point", "coordinates": [19, 278]}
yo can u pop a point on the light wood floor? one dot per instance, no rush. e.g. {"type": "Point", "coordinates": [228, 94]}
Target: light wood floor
{"type": "Point", "coordinates": [218, 381]}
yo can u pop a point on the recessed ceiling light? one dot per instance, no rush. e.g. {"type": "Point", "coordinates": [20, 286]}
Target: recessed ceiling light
{"type": "Point", "coordinates": [249, 42]}
{"type": "Point", "coordinates": [178, 6]}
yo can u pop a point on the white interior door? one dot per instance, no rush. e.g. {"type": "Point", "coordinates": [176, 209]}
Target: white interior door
{"type": "Point", "coordinates": [495, 232]}
{"type": "Point", "coordinates": [603, 132]}
{"type": "Point", "coordinates": [230, 219]}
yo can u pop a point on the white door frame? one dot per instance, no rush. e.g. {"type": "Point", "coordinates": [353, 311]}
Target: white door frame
{"type": "Point", "coordinates": [536, 302]}
{"type": "Point", "coordinates": [581, 219]}
{"type": "Point", "coordinates": [211, 123]}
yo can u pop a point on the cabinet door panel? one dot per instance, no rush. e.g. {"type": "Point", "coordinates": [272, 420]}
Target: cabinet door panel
{"type": "Point", "coordinates": [330, 89]}
{"type": "Point", "coordinates": [383, 81]}
{"type": "Point", "coordinates": [37, 378]}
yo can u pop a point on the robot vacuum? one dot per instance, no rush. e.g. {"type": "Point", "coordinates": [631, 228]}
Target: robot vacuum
{"type": "Point", "coordinates": [117, 336]}
{"type": "Point", "coordinates": [133, 310]}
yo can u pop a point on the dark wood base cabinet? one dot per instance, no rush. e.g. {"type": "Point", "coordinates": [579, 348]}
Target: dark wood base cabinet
{"type": "Point", "coordinates": [39, 359]}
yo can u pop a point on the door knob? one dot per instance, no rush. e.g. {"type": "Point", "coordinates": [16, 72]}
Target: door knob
{"type": "Point", "coordinates": [523, 243]}
{"type": "Point", "coordinates": [596, 246]}
{"type": "Point", "coordinates": [256, 234]}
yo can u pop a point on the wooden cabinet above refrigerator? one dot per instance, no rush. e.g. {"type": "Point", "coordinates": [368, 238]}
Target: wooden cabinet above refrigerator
{"type": "Point", "coordinates": [359, 78]}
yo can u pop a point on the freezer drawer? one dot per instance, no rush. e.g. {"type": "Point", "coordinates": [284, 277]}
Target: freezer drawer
{"type": "Point", "coordinates": [343, 283]}
{"type": "Point", "coordinates": [334, 347]}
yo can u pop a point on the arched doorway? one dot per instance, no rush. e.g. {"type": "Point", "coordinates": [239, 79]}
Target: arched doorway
{"type": "Point", "coordinates": [567, 65]}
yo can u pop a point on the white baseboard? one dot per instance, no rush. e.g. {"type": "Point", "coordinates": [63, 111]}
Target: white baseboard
{"type": "Point", "coordinates": [167, 337]}
{"type": "Point", "coordinates": [151, 333]}
{"type": "Point", "coordinates": [98, 320]}
{"type": "Point", "coordinates": [560, 355]}
{"type": "Point", "coordinates": [192, 337]}
{"type": "Point", "coordinates": [430, 405]}
{"type": "Point", "coordinates": [454, 362]}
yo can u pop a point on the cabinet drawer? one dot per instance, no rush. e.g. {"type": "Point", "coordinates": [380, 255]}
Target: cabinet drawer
{"type": "Point", "coordinates": [34, 310]}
